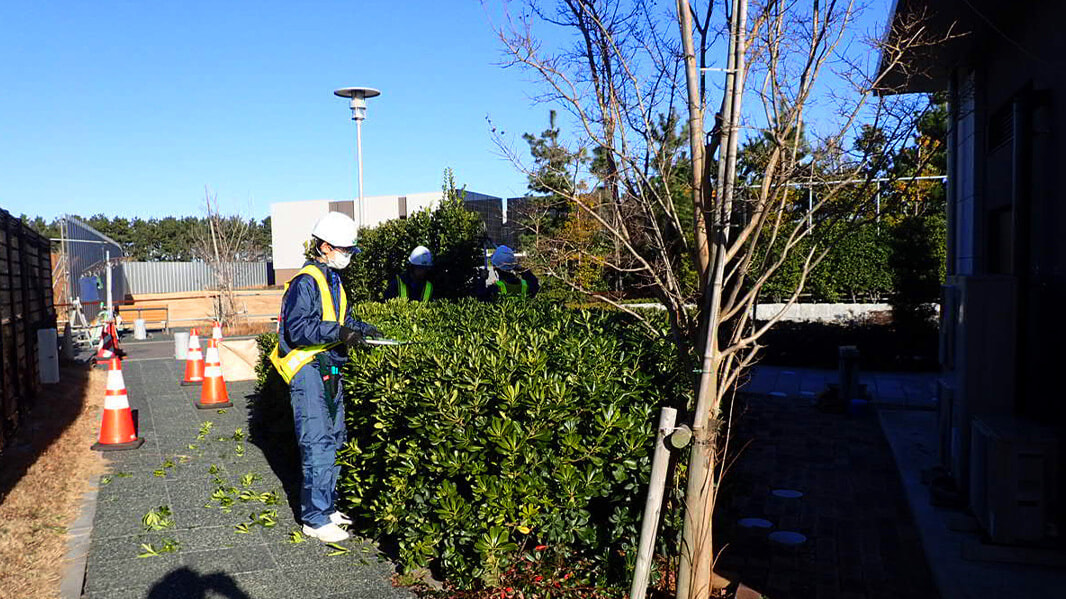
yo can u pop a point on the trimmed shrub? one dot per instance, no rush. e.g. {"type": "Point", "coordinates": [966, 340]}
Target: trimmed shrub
{"type": "Point", "coordinates": [270, 407]}
{"type": "Point", "coordinates": [454, 234]}
{"type": "Point", "coordinates": [919, 263]}
{"type": "Point", "coordinates": [814, 345]}
{"type": "Point", "coordinates": [901, 260]}
{"type": "Point", "coordinates": [857, 266]}
{"type": "Point", "coordinates": [508, 427]}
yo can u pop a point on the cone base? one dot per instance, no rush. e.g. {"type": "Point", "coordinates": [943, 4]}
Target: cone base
{"type": "Point", "coordinates": [118, 446]}
{"type": "Point", "coordinates": [212, 406]}
{"type": "Point", "coordinates": [191, 383]}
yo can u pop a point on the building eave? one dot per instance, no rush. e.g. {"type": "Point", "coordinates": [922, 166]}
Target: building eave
{"type": "Point", "coordinates": [945, 30]}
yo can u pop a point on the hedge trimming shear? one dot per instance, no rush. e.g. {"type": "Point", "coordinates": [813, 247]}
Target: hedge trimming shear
{"type": "Point", "coordinates": [381, 342]}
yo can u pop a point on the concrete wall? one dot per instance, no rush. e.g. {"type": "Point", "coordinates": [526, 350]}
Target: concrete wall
{"type": "Point", "coordinates": [291, 224]}
{"type": "Point", "coordinates": [820, 312]}
{"type": "Point", "coordinates": [1002, 338]}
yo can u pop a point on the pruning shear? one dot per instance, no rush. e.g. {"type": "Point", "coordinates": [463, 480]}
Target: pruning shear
{"type": "Point", "coordinates": [380, 342]}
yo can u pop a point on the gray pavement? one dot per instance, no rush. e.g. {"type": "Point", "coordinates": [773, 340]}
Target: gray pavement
{"type": "Point", "coordinates": [851, 512]}
{"type": "Point", "coordinates": [180, 466]}
{"type": "Point", "coordinates": [963, 566]}
{"type": "Point", "coordinates": [912, 390]}
{"type": "Point", "coordinates": [828, 477]}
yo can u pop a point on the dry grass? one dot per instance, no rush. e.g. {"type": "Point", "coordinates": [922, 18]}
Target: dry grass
{"type": "Point", "coordinates": [250, 328]}
{"type": "Point", "coordinates": [46, 469]}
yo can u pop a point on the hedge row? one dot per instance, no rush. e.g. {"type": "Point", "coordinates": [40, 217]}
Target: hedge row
{"type": "Point", "coordinates": [901, 261]}
{"type": "Point", "coordinates": [893, 260]}
{"type": "Point", "coordinates": [508, 427]}
{"type": "Point", "coordinates": [454, 235]}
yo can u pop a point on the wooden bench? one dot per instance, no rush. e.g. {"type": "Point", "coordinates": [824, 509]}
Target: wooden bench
{"type": "Point", "coordinates": [152, 315]}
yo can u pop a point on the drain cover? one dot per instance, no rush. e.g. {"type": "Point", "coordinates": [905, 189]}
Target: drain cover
{"type": "Point", "coordinates": [755, 523]}
{"type": "Point", "coordinates": [787, 493]}
{"type": "Point", "coordinates": [786, 537]}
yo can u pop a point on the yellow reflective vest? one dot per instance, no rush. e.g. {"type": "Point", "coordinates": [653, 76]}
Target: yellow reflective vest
{"type": "Point", "coordinates": [293, 361]}
{"type": "Point", "coordinates": [513, 289]}
{"type": "Point", "coordinates": [427, 289]}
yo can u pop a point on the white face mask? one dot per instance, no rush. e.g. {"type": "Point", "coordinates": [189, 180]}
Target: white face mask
{"type": "Point", "coordinates": [338, 260]}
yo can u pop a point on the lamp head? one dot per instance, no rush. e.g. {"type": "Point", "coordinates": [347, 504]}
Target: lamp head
{"type": "Point", "coordinates": [358, 96]}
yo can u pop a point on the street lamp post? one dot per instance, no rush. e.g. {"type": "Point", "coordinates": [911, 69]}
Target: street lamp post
{"type": "Point", "coordinates": [358, 96]}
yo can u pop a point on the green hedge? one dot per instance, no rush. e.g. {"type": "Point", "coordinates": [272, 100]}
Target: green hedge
{"type": "Point", "coordinates": [509, 426]}
{"type": "Point", "coordinates": [919, 264]}
{"type": "Point", "coordinates": [454, 234]}
{"type": "Point", "coordinates": [895, 260]}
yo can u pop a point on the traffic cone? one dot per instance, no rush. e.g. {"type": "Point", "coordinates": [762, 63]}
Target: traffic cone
{"type": "Point", "coordinates": [114, 340]}
{"type": "Point", "coordinates": [213, 393]}
{"type": "Point", "coordinates": [194, 361]}
{"type": "Point", "coordinates": [116, 430]}
{"type": "Point", "coordinates": [106, 349]}
{"type": "Point", "coordinates": [216, 331]}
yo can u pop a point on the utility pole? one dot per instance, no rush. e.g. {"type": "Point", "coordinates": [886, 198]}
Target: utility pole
{"type": "Point", "coordinates": [107, 258]}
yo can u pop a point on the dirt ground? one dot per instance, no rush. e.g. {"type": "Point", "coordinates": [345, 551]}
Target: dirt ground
{"type": "Point", "coordinates": [44, 472]}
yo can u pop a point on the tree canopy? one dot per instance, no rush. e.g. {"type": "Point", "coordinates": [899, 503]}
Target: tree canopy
{"type": "Point", "coordinates": [169, 239]}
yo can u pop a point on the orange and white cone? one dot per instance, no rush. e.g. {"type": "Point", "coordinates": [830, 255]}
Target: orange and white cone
{"type": "Point", "coordinates": [194, 361]}
{"type": "Point", "coordinates": [114, 340]}
{"type": "Point", "coordinates": [216, 331]}
{"type": "Point", "coordinates": [116, 429]}
{"type": "Point", "coordinates": [213, 393]}
{"type": "Point", "coordinates": [106, 348]}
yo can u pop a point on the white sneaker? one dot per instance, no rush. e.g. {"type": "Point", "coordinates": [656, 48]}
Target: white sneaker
{"type": "Point", "coordinates": [330, 533]}
{"type": "Point", "coordinates": [339, 518]}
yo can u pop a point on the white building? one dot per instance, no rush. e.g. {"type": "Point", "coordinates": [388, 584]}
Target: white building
{"type": "Point", "coordinates": [291, 222]}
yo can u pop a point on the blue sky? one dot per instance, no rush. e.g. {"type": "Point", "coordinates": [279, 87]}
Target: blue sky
{"type": "Point", "coordinates": [132, 108]}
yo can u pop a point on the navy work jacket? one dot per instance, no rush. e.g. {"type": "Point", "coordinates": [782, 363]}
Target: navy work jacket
{"type": "Point", "coordinates": [301, 322]}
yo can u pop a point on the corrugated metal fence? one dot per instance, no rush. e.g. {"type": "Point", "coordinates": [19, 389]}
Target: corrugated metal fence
{"type": "Point", "coordinates": [25, 306]}
{"type": "Point", "coordinates": [86, 254]}
{"type": "Point", "coordinates": [174, 277]}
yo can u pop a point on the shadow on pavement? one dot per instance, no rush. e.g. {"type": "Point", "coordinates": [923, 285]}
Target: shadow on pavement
{"type": "Point", "coordinates": [832, 479]}
{"type": "Point", "coordinates": [184, 583]}
{"type": "Point", "coordinates": [272, 430]}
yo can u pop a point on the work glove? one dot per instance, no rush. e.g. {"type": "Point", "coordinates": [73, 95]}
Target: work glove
{"type": "Point", "coordinates": [351, 337]}
{"type": "Point", "coordinates": [369, 330]}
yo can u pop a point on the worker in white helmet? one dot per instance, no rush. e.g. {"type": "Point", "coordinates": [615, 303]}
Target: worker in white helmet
{"type": "Point", "coordinates": [314, 333]}
{"type": "Point", "coordinates": [511, 280]}
{"type": "Point", "coordinates": [415, 284]}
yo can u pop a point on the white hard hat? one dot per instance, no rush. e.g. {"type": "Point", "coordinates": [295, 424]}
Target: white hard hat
{"type": "Point", "coordinates": [421, 256]}
{"type": "Point", "coordinates": [503, 258]}
{"type": "Point", "coordinates": [336, 229]}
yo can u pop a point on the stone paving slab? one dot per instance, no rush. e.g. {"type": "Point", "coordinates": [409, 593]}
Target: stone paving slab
{"type": "Point", "coordinates": [913, 390]}
{"type": "Point", "coordinates": [177, 467]}
{"type": "Point", "coordinates": [861, 541]}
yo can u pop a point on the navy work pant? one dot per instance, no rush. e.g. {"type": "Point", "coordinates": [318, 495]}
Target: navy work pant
{"type": "Point", "coordinates": [319, 437]}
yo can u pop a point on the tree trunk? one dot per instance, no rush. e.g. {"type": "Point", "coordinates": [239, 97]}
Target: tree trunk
{"type": "Point", "coordinates": [697, 551]}
{"type": "Point", "coordinates": [696, 147]}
